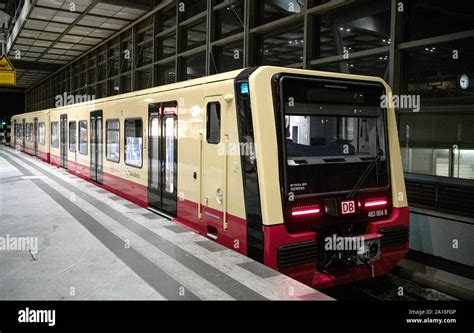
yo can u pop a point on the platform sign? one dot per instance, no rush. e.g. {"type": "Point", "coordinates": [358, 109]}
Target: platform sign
{"type": "Point", "coordinates": [7, 72]}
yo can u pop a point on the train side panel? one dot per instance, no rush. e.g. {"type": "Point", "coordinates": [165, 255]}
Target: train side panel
{"type": "Point", "coordinates": [30, 134]}
{"type": "Point", "coordinates": [54, 135]}
{"type": "Point", "coordinates": [209, 173]}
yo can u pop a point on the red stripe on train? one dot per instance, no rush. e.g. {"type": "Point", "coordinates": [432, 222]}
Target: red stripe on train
{"type": "Point", "coordinates": [125, 188]}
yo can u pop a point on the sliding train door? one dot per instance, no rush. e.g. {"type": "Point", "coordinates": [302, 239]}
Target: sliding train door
{"type": "Point", "coordinates": [23, 134]}
{"type": "Point", "coordinates": [162, 157]}
{"type": "Point", "coordinates": [96, 146]}
{"type": "Point", "coordinates": [63, 140]}
{"type": "Point", "coordinates": [15, 132]}
{"type": "Point", "coordinates": [35, 136]}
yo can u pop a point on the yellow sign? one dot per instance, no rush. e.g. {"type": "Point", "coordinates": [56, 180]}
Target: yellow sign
{"type": "Point", "coordinates": [7, 72]}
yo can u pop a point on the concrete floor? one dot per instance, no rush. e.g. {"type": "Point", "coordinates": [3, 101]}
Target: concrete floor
{"type": "Point", "coordinates": [93, 244]}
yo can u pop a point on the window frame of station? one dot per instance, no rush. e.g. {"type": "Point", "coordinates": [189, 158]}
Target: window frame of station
{"type": "Point", "coordinates": [183, 14]}
{"type": "Point", "coordinates": [92, 74]}
{"type": "Point", "coordinates": [107, 139]}
{"type": "Point", "coordinates": [186, 26]}
{"type": "Point", "coordinates": [126, 38]}
{"type": "Point", "coordinates": [125, 141]}
{"type": "Point", "coordinates": [126, 66]}
{"type": "Point", "coordinates": [184, 63]}
{"type": "Point", "coordinates": [70, 137]}
{"type": "Point", "coordinates": [146, 27]}
{"type": "Point", "coordinates": [101, 62]}
{"type": "Point", "coordinates": [223, 6]}
{"type": "Point", "coordinates": [114, 79]}
{"type": "Point", "coordinates": [262, 36]}
{"type": "Point", "coordinates": [139, 71]}
{"type": "Point", "coordinates": [217, 49]}
{"type": "Point", "coordinates": [39, 99]}
{"type": "Point", "coordinates": [56, 123]}
{"type": "Point", "coordinates": [160, 39]}
{"type": "Point", "coordinates": [159, 71]}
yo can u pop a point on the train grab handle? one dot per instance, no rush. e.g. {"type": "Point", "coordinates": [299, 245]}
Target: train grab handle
{"type": "Point", "coordinates": [226, 163]}
{"type": "Point", "coordinates": [200, 178]}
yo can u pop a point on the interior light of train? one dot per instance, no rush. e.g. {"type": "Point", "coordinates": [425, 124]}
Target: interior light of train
{"type": "Point", "coordinates": [375, 202]}
{"type": "Point", "coordinates": [305, 210]}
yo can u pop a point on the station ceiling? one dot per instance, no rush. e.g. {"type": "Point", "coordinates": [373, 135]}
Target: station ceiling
{"type": "Point", "coordinates": [55, 32]}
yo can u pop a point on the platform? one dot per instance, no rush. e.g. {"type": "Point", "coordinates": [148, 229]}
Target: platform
{"type": "Point", "coordinates": [92, 244]}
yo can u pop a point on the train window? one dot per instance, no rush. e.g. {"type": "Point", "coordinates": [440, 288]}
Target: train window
{"type": "Point", "coordinates": [55, 134]}
{"type": "Point", "coordinates": [213, 126]}
{"type": "Point", "coordinates": [113, 140]}
{"type": "Point", "coordinates": [28, 132]}
{"type": "Point", "coordinates": [41, 133]}
{"type": "Point", "coordinates": [83, 137]}
{"type": "Point", "coordinates": [169, 152]}
{"type": "Point", "coordinates": [133, 142]}
{"type": "Point", "coordinates": [72, 136]}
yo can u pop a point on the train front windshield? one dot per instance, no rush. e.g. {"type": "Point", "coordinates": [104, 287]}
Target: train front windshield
{"type": "Point", "coordinates": [332, 133]}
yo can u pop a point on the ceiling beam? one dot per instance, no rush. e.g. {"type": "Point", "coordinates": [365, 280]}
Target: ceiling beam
{"type": "Point", "coordinates": [33, 65]}
{"type": "Point", "coordinates": [129, 4]}
{"type": "Point", "coordinates": [90, 14]}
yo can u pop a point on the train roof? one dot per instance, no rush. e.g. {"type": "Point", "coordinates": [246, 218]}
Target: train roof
{"type": "Point", "coordinates": [188, 83]}
{"type": "Point", "coordinates": [40, 112]}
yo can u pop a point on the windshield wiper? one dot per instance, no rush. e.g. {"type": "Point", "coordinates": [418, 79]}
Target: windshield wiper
{"type": "Point", "coordinates": [374, 163]}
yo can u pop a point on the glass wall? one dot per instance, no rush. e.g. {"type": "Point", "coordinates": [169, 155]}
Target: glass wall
{"type": "Point", "coordinates": [427, 55]}
{"type": "Point", "coordinates": [186, 40]}
{"type": "Point", "coordinates": [438, 143]}
{"type": "Point", "coordinates": [439, 140]}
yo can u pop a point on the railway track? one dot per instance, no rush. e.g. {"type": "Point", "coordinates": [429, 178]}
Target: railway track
{"type": "Point", "coordinates": [387, 288]}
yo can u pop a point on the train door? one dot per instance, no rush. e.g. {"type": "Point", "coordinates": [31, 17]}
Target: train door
{"type": "Point", "coordinates": [73, 144]}
{"type": "Point", "coordinates": [63, 139]}
{"type": "Point", "coordinates": [213, 167]}
{"type": "Point", "coordinates": [162, 157]}
{"type": "Point", "coordinates": [35, 136]}
{"type": "Point", "coordinates": [23, 134]}
{"type": "Point", "coordinates": [15, 133]}
{"type": "Point", "coordinates": [96, 146]}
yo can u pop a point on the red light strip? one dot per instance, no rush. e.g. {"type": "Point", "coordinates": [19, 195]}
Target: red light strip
{"type": "Point", "coordinates": [375, 203]}
{"type": "Point", "coordinates": [308, 211]}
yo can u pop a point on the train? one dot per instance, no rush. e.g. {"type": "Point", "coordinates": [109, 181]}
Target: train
{"type": "Point", "coordinates": [297, 169]}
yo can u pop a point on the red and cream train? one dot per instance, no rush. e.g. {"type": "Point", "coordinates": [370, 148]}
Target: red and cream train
{"type": "Point", "coordinates": [290, 167]}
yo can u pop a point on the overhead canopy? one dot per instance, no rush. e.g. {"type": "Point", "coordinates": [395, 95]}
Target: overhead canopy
{"type": "Point", "coordinates": [54, 32]}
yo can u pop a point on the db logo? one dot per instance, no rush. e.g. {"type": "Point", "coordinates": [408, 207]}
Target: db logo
{"type": "Point", "coordinates": [347, 207]}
